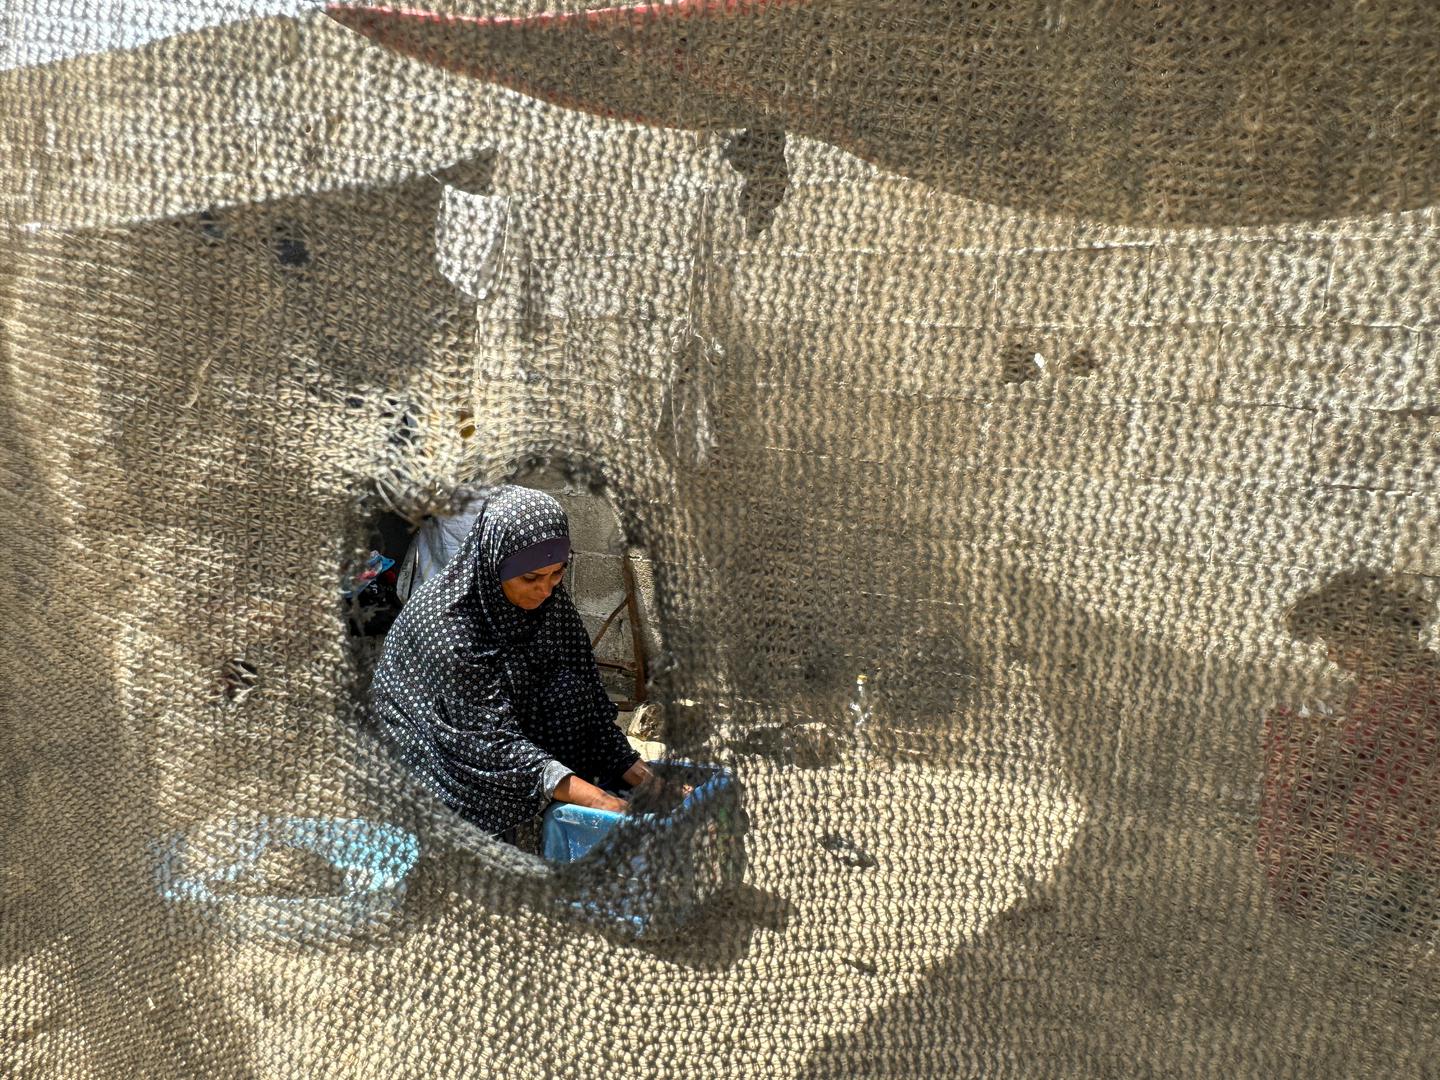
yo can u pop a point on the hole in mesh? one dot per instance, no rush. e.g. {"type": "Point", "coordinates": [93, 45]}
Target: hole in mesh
{"type": "Point", "coordinates": [210, 226]}
{"type": "Point", "coordinates": [1020, 363]}
{"type": "Point", "coordinates": [239, 678]}
{"type": "Point", "coordinates": [1083, 362]}
{"type": "Point", "coordinates": [608, 580]}
{"type": "Point", "coordinates": [404, 427]}
{"type": "Point", "coordinates": [288, 240]}
{"type": "Point", "coordinates": [369, 584]}
{"type": "Point", "coordinates": [680, 848]}
{"type": "Point", "coordinates": [758, 155]}
{"type": "Point", "coordinates": [846, 851]}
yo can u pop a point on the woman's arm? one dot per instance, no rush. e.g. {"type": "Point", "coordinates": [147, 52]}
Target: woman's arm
{"type": "Point", "coordinates": [583, 793]}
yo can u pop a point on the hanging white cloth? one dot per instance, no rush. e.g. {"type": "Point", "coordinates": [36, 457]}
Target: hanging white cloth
{"type": "Point", "coordinates": [435, 544]}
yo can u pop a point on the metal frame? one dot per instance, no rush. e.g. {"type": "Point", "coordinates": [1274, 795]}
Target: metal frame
{"type": "Point", "coordinates": [636, 668]}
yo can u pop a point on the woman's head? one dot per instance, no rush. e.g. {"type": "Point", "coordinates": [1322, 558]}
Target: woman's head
{"type": "Point", "coordinates": [524, 544]}
{"type": "Point", "coordinates": [1364, 617]}
{"type": "Point", "coordinates": [504, 577]}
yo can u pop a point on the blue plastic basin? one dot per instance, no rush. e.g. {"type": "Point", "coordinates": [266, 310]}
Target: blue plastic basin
{"type": "Point", "coordinates": [570, 831]}
{"type": "Point", "coordinates": [648, 873]}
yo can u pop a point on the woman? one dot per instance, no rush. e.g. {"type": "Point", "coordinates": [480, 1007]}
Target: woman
{"type": "Point", "coordinates": [1350, 809]}
{"type": "Point", "coordinates": [488, 685]}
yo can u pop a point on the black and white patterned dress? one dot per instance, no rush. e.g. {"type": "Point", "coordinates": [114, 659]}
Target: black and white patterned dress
{"type": "Point", "coordinates": [493, 705]}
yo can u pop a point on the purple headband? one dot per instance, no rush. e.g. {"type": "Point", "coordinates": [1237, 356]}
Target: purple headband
{"type": "Point", "coordinates": [545, 553]}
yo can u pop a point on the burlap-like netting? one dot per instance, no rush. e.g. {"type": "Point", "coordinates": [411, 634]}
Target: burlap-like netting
{"type": "Point", "coordinates": [1069, 369]}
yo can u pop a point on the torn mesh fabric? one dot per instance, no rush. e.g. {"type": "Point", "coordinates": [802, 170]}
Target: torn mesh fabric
{"type": "Point", "coordinates": [1052, 357]}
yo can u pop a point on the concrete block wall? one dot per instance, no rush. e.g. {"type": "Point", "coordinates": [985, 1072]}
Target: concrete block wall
{"type": "Point", "coordinates": [596, 579]}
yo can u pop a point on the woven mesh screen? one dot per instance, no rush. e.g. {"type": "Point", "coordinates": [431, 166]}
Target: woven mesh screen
{"type": "Point", "coordinates": [1067, 369]}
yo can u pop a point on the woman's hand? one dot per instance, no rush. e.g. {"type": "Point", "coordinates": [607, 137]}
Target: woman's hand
{"type": "Point", "coordinates": [637, 774]}
{"type": "Point", "coordinates": [641, 773]}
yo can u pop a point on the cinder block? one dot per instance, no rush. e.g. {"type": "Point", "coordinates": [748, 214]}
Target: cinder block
{"type": "Point", "coordinates": [574, 581]}
{"type": "Point", "coordinates": [546, 480]}
{"type": "Point", "coordinates": [1384, 281]}
{"type": "Point", "coordinates": [602, 584]}
{"type": "Point", "coordinates": [593, 527]}
{"type": "Point", "coordinates": [615, 645]}
{"type": "Point", "coordinates": [1387, 451]}
{"type": "Point", "coordinates": [617, 684]}
{"type": "Point", "coordinates": [644, 573]}
{"type": "Point", "coordinates": [645, 597]}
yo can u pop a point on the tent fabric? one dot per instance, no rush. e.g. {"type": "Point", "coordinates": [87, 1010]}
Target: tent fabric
{"type": "Point", "coordinates": [1036, 359]}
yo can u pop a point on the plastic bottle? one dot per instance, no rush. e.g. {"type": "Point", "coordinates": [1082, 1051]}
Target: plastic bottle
{"type": "Point", "coordinates": [862, 715]}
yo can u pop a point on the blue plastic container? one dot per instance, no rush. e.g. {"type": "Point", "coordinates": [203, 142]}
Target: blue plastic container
{"type": "Point", "coordinates": [646, 873]}
{"type": "Point", "coordinates": [570, 831]}
{"type": "Point", "coordinates": [198, 866]}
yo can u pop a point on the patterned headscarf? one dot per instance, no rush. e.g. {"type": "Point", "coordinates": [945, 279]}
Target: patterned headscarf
{"type": "Point", "coordinates": [513, 520]}
{"type": "Point", "coordinates": [462, 664]}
